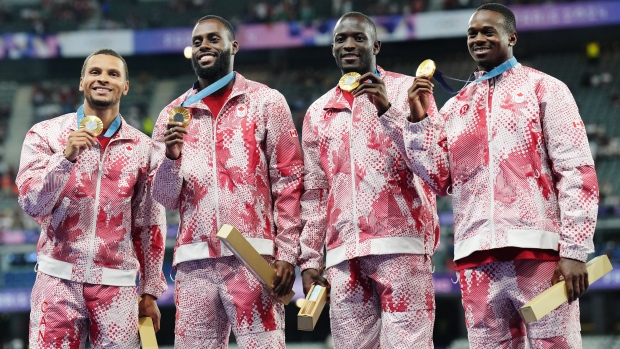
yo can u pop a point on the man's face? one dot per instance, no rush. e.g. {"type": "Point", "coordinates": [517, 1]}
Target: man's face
{"type": "Point", "coordinates": [487, 39]}
{"type": "Point", "coordinates": [104, 81]}
{"type": "Point", "coordinates": [212, 50]}
{"type": "Point", "coordinates": [354, 46]}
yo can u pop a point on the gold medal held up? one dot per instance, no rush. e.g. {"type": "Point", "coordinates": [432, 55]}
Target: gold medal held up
{"type": "Point", "coordinates": [180, 114]}
{"type": "Point", "coordinates": [426, 68]}
{"type": "Point", "coordinates": [349, 81]}
{"type": "Point", "coordinates": [92, 123]}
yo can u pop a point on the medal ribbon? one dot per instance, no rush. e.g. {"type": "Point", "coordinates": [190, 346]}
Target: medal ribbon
{"type": "Point", "coordinates": [114, 126]}
{"type": "Point", "coordinates": [500, 69]}
{"type": "Point", "coordinates": [191, 99]}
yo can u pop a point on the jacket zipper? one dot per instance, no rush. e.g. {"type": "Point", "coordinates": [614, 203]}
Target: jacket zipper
{"type": "Point", "coordinates": [490, 145]}
{"type": "Point", "coordinates": [353, 192]}
{"type": "Point", "coordinates": [91, 248]}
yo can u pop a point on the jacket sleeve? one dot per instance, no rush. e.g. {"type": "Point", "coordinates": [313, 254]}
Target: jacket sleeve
{"type": "Point", "coordinates": [168, 179]}
{"type": "Point", "coordinates": [285, 172]}
{"type": "Point", "coordinates": [148, 233]}
{"type": "Point", "coordinates": [42, 175]}
{"type": "Point", "coordinates": [424, 144]}
{"type": "Point", "coordinates": [313, 201]}
{"type": "Point", "coordinates": [573, 167]}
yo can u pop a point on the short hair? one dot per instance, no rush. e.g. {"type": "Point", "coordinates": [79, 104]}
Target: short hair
{"type": "Point", "coordinates": [109, 52]}
{"type": "Point", "coordinates": [226, 23]}
{"type": "Point", "coordinates": [509, 17]}
{"type": "Point", "coordinates": [364, 18]}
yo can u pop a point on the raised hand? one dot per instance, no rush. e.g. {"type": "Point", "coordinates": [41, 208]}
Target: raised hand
{"type": "Point", "coordinates": [419, 101]}
{"type": "Point", "coordinates": [173, 137]}
{"type": "Point", "coordinates": [77, 142]}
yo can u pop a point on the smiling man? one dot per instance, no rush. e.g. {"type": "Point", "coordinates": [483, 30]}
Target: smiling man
{"type": "Point", "coordinates": [101, 228]}
{"type": "Point", "coordinates": [377, 221]}
{"type": "Point", "coordinates": [238, 162]}
{"type": "Point", "coordinates": [512, 150]}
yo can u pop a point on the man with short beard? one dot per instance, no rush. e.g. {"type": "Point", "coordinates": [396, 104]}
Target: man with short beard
{"type": "Point", "coordinates": [238, 161]}
{"type": "Point", "coordinates": [377, 221]}
{"type": "Point", "coordinates": [91, 194]}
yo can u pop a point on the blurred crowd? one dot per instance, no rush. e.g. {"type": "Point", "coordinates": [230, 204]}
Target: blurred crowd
{"type": "Point", "coordinates": [50, 16]}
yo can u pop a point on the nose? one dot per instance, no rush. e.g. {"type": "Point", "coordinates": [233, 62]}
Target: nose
{"type": "Point", "coordinates": [349, 44]}
{"type": "Point", "coordinates": [480, 37]}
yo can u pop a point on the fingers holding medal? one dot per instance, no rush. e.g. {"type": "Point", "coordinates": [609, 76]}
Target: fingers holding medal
{"type": "Point", "coordinates": [369, 84]}
{"type": "Point", "coordinates": [420, 91]}
{"type": "Point", "coordinates": [83, 138]}
{"type": "Point", "coordinates": [174, 134]}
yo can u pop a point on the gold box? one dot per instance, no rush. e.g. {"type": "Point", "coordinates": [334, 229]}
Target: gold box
{"type": "Point", "coordinates": [312, 307]}
{"type": "Point", "coordinates": [147, 333]}
{"type": "Point", "coordinates": [242, 249]}
{"type": "Point", "coordinates": [554, 296]}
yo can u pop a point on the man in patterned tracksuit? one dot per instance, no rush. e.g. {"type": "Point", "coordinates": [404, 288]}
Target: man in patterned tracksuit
{"type": "Point", "coordinates": [377, 220]}
{"type": "Point", "coordinates": [100, 227]}
{"type": "Point", "coordinates": [512, 150]}
{"type": "Point", "coordinates": [237, 162]}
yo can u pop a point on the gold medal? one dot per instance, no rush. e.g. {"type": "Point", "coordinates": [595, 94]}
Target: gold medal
{"type": "Point", "coordinates": [180, 114]}
{"type": "Point", "coordinates": [93, 124]}
{"type": "Point", "coordinates": [349, 81]}
{"type": "Point", "coordinates": [426, 68]}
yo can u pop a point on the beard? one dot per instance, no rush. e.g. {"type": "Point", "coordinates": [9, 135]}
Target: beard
{"type": "Point", "coordinates": [98, 103]}
{"type": "Point", "coordinates": [217, 70]}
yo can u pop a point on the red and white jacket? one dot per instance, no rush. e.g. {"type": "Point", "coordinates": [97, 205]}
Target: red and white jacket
{"type": "Point", "coordinates": [513, 152]}
{"type": "Point", "coordinates": [99, 222]}
{"type": "Point", "coordinates": [360, 198]}
{"type": "Point", "coordinates": [242, 167]}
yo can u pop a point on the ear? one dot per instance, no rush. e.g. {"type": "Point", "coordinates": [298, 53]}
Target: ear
{"type": "Point", "coordinates": [376, 47]}
{"type": "Point", "coordinates": [333, 53]}
{"type": "Point", "coordinates": [512, 39]}
{"type": "Point", "coordinates": [81, 84]}
{"type": "Point", "coordinates": [126, 88]}
{"type": "Point", "coordinates": [235, 47]}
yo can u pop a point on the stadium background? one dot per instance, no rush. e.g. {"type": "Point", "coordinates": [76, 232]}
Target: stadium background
{"type": "Point", "coordinates": [285, 44]}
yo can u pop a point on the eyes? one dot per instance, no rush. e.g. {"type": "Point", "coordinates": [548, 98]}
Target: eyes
{"type": "Point", "coordinates": [339, 39]}
{"type": "Point", "coordinates": [486, 32]}
{"type": "Point", "coordinates": [97, 72]}
{"type": "Point", "coordinates": [214, 39]}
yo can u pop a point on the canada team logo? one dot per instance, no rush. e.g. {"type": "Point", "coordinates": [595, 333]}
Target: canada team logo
{"type": "Point", "coordinates": [129, 150]}
{"type": "Point", "coordinates": [292, 133]}
{"type": "Point", "coordinates": [241, 110]}
{"type": "Point", "coordinates": [464, 109]}
{"type": "Point", "coordinates": [519, 97]}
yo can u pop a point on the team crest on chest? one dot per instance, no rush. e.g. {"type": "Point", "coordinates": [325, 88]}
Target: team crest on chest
{"type": "Point", "coordinates": [128, 149]}
{"type": "Point", "coordinates": [519, 97]}
{"type": "Point", "coordinates": [241, 110]}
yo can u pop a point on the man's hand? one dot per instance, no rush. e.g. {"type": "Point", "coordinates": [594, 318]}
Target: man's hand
{"type": "Point", "coordinates": [285, 276]}
{"type": "Point", "coordinates": [148, 307]}
{"type": "Point", "coordinates": [419, 101]}
{"type": "Point", "coordinates": [313, 276]}
{"type": "Point", "coordinates": [575, 275]}
{"type": "Point", "coordinates": [375, 89]}
{"type": "Point", "coordinates": [173, 136]}
{"type": "Point", "coordinates": [77, 142]}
